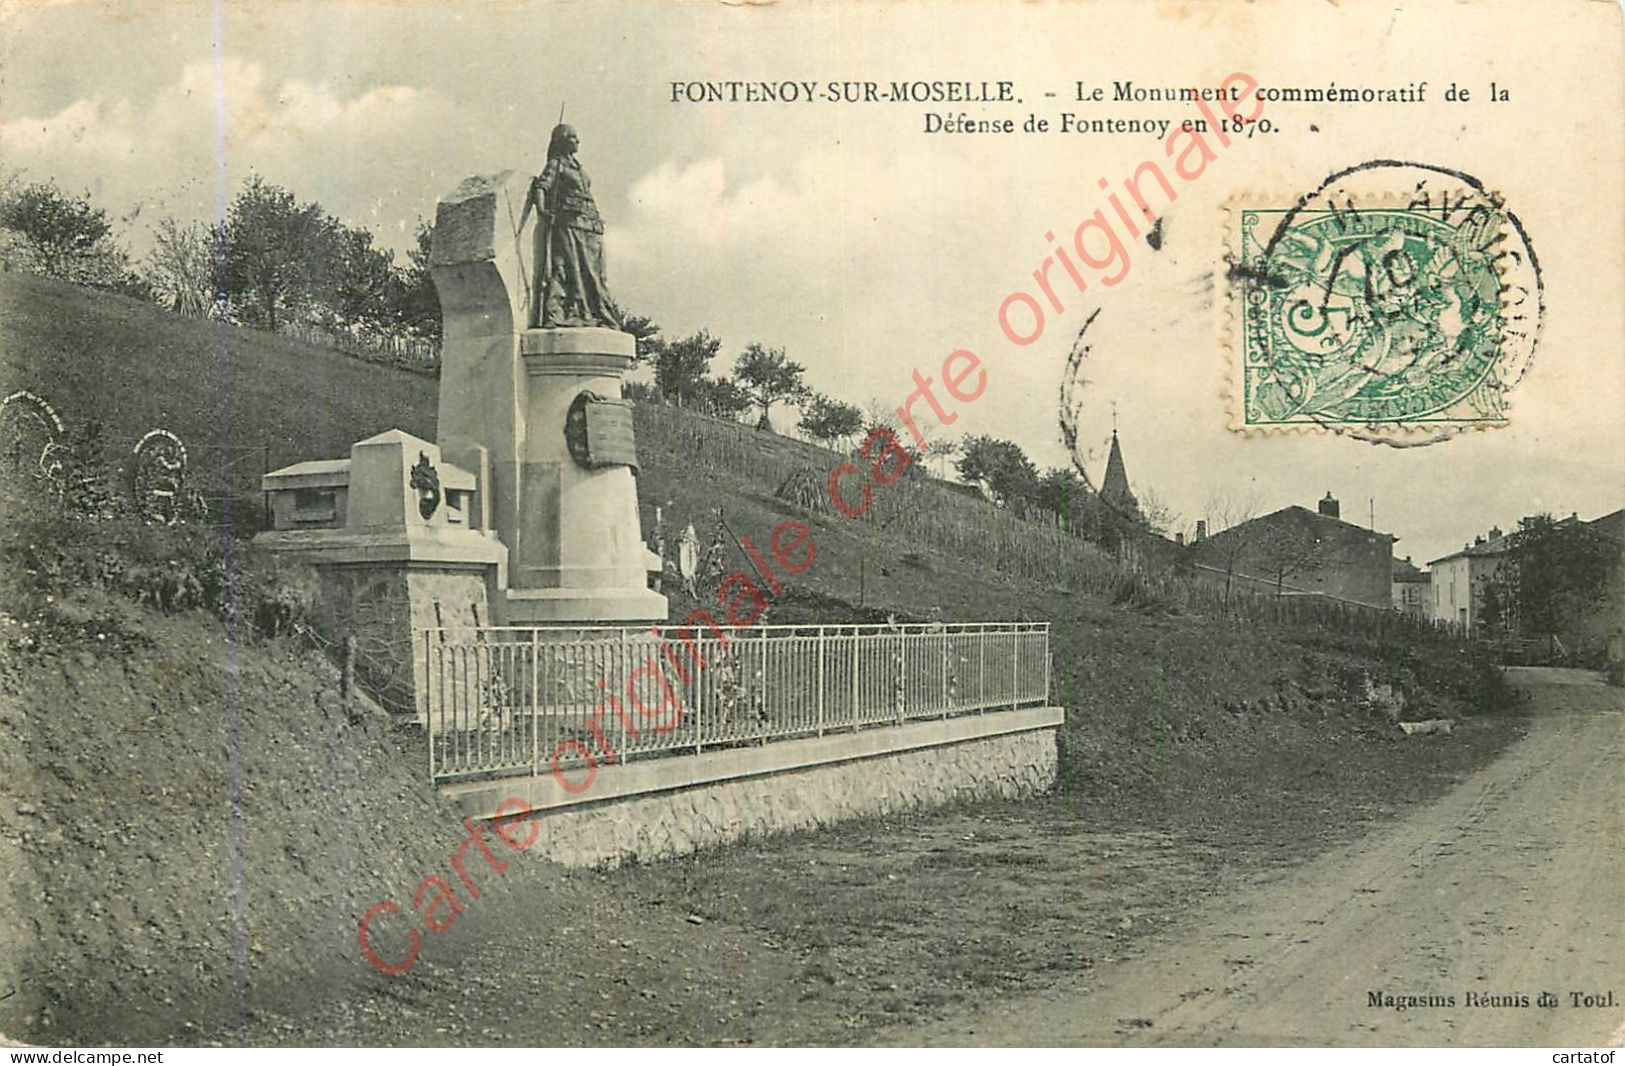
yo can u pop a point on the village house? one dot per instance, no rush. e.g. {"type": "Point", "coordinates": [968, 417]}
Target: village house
{"type": "Point", "coordinates": [1461, 578]}
{"type": "Point", "coordinates": [1412, 589]}
{"type": "Point", "coordinates": [1457, 577]}
{"type": "Point", "coordinates": [1296, 551]}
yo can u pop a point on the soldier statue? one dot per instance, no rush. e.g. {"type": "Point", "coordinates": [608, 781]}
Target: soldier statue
{"type": "Point", "coordinates": [570, 287]}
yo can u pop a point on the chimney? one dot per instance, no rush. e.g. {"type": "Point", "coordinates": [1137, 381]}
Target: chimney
{"type": "Point", "coordinates": [1495, 532]}
{"type": "Point", "coordinates": [1179, 539]}
{"type": "Point", "coordinates": [1329, 507]}
{"type": "Point", "coordinates": [1478, 540]}
{"type": "Point", "coordinates": [1201, 530]}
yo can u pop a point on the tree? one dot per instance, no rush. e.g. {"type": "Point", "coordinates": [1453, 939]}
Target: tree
{"type": "Point", "coordinates": [682, 366]}
{"type": "Point", "coordinates": [830, 421]}
{"type": "Point", "coordinates": [56, 229]}
{"type": "Point", "coordinates": [1497, 594]}
{"type": "Point", "coordinates": [183, 266]}
{"type": "Point", "coordinates": [1001, 465]}
{"type": "Point", "coordinates": [724, 397]}
{"type": "Point", "coordinates": [647, 334]}
{"type": "Point", "coordinates": [363, 282]}
{"type": "Point", "coordinates": [1226, 512]}
{"type": "Point", "coordinates": [414, 303]}
{"type": "Point", "coordinates": [1061, 491]}
{"type": "Point", "coordinates": [942, 449]}
{"type": "Point", "coordinates": [1282, 551]}
{"type": "Point", "coordinates": [1554, 573]}
{"type": "Point", "coordinates": [1154, 511]}
{"type": "Point", "coordinates": [771, 378]}
{"type": "Point", "coordinates": [62, 236]}
{"type": "Point", "coordinates": [280, 254]}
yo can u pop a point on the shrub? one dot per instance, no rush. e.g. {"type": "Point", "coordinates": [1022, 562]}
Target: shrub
{"type": "Point", "coordinates": [51, 550]}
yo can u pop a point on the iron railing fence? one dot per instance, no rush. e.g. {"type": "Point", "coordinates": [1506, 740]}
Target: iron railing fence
{"type": "Point", "coordinates": [505, 701]}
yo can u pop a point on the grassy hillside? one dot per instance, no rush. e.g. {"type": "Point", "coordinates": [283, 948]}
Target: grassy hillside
{"type": "Point", "coordinates": [238, 397]}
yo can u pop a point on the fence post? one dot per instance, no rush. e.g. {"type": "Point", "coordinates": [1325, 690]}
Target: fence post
{"type": "Point", "coordinates": [428, 701]}
{"type": "Point", "coordinates": [1049, 664]}
{"type": "Point", "coordinates": [854, 679]}
{"type": "Point", "coordinates": [901, 699]}
{"type": "Point", "coordinates": [347, 679]}
{"type": "Point", "coordinates": [820, 680]}
{"type": "Point", "coordinates": [1015, 670]}
{"type": "Point", "coordinates": [621, 672]}
{"type": "Point", "coordinates": [699, 685]}
{"type": "Point", "coordinates": [265, 497]}
{"type": "Point", "coordinates": [981, 670]}
{"type": "Point", "coordinates": [535, 702]}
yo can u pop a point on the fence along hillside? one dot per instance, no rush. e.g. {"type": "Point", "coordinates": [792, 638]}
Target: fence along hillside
{"type": "Point", "coordinates": [1145, 571]}
{"type": "Point", "coordinates": [916, 508]}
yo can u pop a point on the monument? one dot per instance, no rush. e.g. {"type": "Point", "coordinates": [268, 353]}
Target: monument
{"type": "Point", "coordinates": [525, 512]}
{"type": "Point", "coordinates": [532, 357]}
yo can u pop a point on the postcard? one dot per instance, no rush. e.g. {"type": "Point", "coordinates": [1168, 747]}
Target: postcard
{"type": "Point", "coordinates": [709, 524]}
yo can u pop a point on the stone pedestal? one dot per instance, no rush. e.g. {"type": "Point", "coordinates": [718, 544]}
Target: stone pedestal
{"type": "Point", "coordinates": [582, 556]}
{"type": "Point", "coordinates": [570, 522]}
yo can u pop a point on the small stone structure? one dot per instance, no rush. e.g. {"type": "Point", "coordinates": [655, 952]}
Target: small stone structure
{"type": "Point", "coordinates": [390, 531]}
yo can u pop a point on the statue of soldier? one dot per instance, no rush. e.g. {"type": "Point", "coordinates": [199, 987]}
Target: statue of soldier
{"type": "Point", "coordinates": [570, 287]}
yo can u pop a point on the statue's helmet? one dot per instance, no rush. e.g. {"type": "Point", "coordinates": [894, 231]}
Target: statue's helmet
{"type": "Point", "coordinates": [564, 140]}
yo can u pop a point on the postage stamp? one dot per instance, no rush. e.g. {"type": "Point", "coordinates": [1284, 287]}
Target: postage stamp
{"type": "Point", "coordinates": [1397, 303]}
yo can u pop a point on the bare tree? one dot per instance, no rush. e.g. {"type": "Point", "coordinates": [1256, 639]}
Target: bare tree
{"type": "Point", "coordinates": [1224, 512]}
{"type": "Point", "coordinates": [182, 267]}
{"type": "Point", "coordinates": [1280, 552]}
{"type": "Point", "coordinates": [1154, 510]}
{"type": "Point", "coordinates": [943, 449]}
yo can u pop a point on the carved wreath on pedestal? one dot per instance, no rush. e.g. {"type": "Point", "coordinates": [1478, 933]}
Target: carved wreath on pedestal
{"type": "Point", "coordinates": [425, 482]}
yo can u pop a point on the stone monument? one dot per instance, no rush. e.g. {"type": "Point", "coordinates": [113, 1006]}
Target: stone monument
{"type": "Point", "coordinates": [389, 533]}
{"type": "Point", "coordinates": [532, 358]}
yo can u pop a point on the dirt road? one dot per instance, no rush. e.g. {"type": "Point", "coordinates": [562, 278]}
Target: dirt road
{"type": "Point", "coordinates": [1511, 885]}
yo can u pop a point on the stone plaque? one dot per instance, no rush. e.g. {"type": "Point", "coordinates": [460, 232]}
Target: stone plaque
{"type": "Point", "coordinates": [598, 432]}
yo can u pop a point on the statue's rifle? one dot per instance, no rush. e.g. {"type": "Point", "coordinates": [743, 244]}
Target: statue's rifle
{"type": "Point", "coordinates": [544, 218]}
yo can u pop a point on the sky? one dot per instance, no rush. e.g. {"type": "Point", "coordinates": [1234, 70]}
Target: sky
{"type": "Point", "coordinates": [868, 248]}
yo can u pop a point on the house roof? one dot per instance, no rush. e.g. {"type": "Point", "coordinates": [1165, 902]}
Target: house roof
{"type": "Point", "coordinates": [1314, 516]}
{"type": "Point", "coordinates": [1610, 525]}
{"type": "Point", "coordinates": [1493, 546]}
{"type": "Point", "coordinates": [1405, 570]}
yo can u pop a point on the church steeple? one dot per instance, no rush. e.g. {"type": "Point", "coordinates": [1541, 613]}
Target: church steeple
{"type": "Point", "coordinates": [1114, 486]}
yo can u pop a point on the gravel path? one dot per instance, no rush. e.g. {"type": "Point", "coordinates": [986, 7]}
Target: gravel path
{"type": "Point", "coordinates": [1508, 887]}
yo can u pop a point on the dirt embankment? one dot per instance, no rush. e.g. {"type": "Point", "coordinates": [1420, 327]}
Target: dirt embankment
{"type": "Point", "coordinates": [197, 821]}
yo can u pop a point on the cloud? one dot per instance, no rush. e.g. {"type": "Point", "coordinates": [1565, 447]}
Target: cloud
{"type": "Point", "coordinates": [358, 154]}
{"type": "Point", "coordinates": [837, 255]}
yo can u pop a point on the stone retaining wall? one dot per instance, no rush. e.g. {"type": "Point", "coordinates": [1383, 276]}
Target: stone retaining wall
{"type": "Point", "coordinates": [647, 811]}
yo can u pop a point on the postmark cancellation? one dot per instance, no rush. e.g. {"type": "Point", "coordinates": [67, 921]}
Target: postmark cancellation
{"type": "Point", "coordinates": [1397, 303]}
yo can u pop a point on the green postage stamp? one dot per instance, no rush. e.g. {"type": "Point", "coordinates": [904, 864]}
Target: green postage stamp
{"type": "Point", "coordinates": [1400, 318]}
